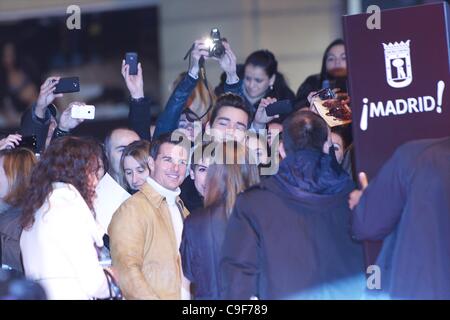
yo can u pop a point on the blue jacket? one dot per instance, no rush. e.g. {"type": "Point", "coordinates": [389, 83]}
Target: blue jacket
{"type": "Point", "coordinates": [408, 206]}
{"type": "Point", "coordinates": [139, 116]}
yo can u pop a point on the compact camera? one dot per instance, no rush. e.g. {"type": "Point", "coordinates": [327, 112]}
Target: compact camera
{"type": "Point", "coordinates": [216, 48]}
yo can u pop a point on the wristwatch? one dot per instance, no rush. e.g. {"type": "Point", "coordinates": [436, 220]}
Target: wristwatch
{"type": "Point", "coordinates": [60, 133]}
{"type": "Point", "coordinates": [137, 100]}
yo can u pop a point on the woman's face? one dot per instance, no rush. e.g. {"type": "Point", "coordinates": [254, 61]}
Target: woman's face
{"type": "Point", "coordinates": [256, 81]}
{"type": "Point", "coordinates": [336, 61]}
{"type": "Point", "coordinates": [135, 174]}
{"type": "Point", "coordinates": [4, 185]}
{"type": "Point", "coordinates": [338, 145]}
{"type": "Point", "coordinates": [199, 175]}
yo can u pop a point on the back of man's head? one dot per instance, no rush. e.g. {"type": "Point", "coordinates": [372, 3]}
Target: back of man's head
{"type": "Point", "coordinates": [304, 130]}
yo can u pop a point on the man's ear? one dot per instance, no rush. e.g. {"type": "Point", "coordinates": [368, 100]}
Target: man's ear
{"type": "Point", "coordinates": [192, 174]}
{"type": "Point", "coordinates": [151, 165]}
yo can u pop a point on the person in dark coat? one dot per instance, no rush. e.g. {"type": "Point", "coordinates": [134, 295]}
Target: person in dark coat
{"type": "Point", "coordinates": [289, 237]}
{"type": "Point", "coordinates": [258, 78]}
{"type": "Point", "coordinates": [204, 229]}
{"type": "Point", "coordinates": [333, 74]}
{"type": "Point", "coordinates": [16, 166]}
{"type": "Point", "coordinates": [408, 206]}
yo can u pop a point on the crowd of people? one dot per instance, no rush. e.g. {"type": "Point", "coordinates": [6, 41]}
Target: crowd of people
{"type": "Point", "coordinates": [225, 201]}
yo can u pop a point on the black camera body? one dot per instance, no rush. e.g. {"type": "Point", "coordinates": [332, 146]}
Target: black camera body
{"type": "Point", "coordinates": [216, 49]}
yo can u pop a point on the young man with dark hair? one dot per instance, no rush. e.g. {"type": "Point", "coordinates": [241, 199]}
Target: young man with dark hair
{"type": "Point", "coordinates": [288, 238]}
{"type": "Point", "coordinates": [230, 118]}
{"type": "Point", "coordinates": [145, 232]}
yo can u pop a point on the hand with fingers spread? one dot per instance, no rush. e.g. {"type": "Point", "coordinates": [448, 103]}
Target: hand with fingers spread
{"type": "Point", "coordinates": [10, 142]}
{"type": "Point", "coordinates": [135, 83]}
{"type": "Point", "coordinates": [228, 63]}
{"type": "Point", "coordinates": [356, 194]}
{"type": "Point", "coordinates": [261, 117]}
{"type": "Point", "coordinates": [46, 95]}
{"type": "Point", "coordinates": [66, 122]}
{"type": "Point", "coordinates": [200, 49]}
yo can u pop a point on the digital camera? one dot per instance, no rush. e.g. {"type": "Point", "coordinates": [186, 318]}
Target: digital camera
{"type": "Point", "coordinates": [216, 48]}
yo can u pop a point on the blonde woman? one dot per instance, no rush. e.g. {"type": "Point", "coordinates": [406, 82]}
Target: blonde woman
{"type": "Point", "coordinates": [204, 229]}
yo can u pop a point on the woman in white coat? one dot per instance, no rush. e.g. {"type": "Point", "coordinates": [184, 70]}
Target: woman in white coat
{"type": "Point", "coordinates": [60, 234]}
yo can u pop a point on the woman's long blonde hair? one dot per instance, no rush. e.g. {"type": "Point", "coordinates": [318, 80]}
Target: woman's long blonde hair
{"type": "Point", "coordinates": [230, 172]}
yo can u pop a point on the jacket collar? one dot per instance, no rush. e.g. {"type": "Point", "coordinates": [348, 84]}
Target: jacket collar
{"type": "Point", "coordinates": [156, 198]}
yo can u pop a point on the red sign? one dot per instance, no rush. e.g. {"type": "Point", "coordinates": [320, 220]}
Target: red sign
{"type": "Point", "coordinates": [399, 80]}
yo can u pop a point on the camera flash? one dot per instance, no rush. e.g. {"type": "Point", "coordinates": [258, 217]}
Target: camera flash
{"type": "Point", "coordinates": [209, 43]}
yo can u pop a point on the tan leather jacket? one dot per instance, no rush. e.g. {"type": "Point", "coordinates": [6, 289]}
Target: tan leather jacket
{"type": "Point", "coordinates": [143, 247]}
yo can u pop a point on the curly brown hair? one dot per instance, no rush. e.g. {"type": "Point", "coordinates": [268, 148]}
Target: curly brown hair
{"type": "Point", "coordinates": [70, 160]}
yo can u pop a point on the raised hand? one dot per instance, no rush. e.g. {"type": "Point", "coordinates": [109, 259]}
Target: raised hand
{"type": "Point", "coordinates": [135, 83]}
{"type": "Point", "coordinates": [66, 122]}
{"type": "Point", "coordinates": [261, 117]}
{"type": "Point", "coordinates": [46, 95]}
{"type": "Point", "coordinates": [10, 142]}
{"type": "Point", "coordinates": [356, 194]}
{"type": "Point", "coordinates": [200, 50]}
{"type": "Point", "coordinates": [228, 63]}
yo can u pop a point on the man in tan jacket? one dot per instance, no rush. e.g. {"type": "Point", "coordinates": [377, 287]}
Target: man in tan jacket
{"type": "Point", "coordinates": [145, 232]}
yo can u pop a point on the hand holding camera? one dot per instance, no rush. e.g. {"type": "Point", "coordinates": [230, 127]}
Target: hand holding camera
{"type": "Point", "coordinates": [228, 64]}
{"type": "Point", "coordinates": [75, 114]}
{"type": "Point", "coordinates": [200, 49]}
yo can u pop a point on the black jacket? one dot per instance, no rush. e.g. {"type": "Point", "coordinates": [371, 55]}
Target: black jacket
{"type": "Point", "coordinates": [203, 234]}
{"type": "Point", "coordinates": [408, 205]}
{"type": "Point", "coordinates": [139, 117]}
{"type": "Point", "coordinates": [289, 237]}
{"type": "Point", "coordinates": [33, 125]}
{"type": "Point", "coordinates": [10, 231]}
{"type": "Point", "coordinates": [190, 196]}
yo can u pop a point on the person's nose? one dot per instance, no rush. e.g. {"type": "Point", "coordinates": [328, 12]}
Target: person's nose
{"type": "Point", "coordinates": [175, 167]}
{"type": "Point", "coordinates": [134, 178]}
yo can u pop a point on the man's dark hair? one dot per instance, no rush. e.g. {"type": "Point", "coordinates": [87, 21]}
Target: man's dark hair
{"type": "Point", "coordinates": [174, 137]}
{"type": "Point", "coordinates": [230, 100]}
{"type": "Point", "coordinates": [304, 130]}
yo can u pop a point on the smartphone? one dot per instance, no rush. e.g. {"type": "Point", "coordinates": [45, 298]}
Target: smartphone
{"type": "Point", "coordinates": [83, 112]}
{"type": "Point", "coordinates": [280, 107]}
{"type": "Point", "coordinates": [29, 142]}
{"type": "Point", "coordinates": [66, 85]}
{"type": "Point", "coordinates": [131, 59]}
